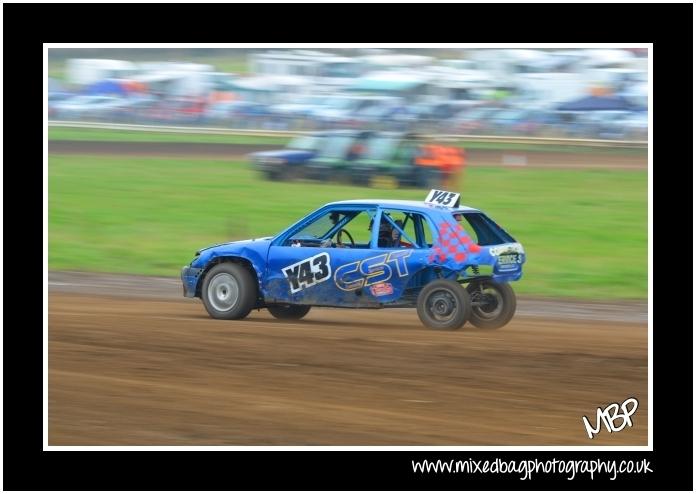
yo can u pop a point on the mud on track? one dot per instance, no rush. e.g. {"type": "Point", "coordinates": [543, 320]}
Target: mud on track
{"type": "Point", "coordinates": [158, 371]}
{"type": "Point", "coordinates": [475, 157]}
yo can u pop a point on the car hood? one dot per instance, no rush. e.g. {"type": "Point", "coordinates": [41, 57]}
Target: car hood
{"type": "Point", "coordinates": [234, 246]}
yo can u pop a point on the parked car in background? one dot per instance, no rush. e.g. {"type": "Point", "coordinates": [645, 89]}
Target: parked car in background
{"type": "Point", "coordinates": [243, 114]}
{"type": "Point", "coordinates": [635, 126]}
{"type": "Point", "coordinates": [301, 107]}
{"type": "Point", "coordinates": [55, 98]}
{"type": "Point", "coordinates": [601, 124]}
{"type": "Point", "coordinates": [284, 164]}
{"type": "Point", "coordinates": [473, 121]}
{"type": "Point", "coordinates": [341, 110]}
{"type": "Point", "coordinates": [85, 106]}
{"type": "Point", "coordinates": [516, 122]}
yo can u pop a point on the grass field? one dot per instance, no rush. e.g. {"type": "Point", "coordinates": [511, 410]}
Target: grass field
{"type": "Point", "coordinates": [585, 232]}
{"type": "Point", "coordinates": [82, 134]}
{"type": "Point", "coordinates": [79, 134]}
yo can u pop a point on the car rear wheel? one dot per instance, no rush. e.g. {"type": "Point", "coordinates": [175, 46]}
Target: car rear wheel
{"type": "Point", "coordinates": [229, 291]}
{"type": "Point", "coordinates": [443, 304]}
{"type": "Point", "coordinates": [289, 311]}
{"type": "Point", "coordinates": [322, 173]}
{"type": "Point", "coordinates": [493, 304]}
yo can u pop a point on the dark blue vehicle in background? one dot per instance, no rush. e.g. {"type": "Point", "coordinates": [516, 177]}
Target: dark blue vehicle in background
{"type": "Point", "coordinates": [280, 164]}
{"type": "Point", "coordinates": [452, 263]}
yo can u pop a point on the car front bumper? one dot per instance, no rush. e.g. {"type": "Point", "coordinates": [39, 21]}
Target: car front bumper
{"type": "Point", "coordinates": [189, 277]}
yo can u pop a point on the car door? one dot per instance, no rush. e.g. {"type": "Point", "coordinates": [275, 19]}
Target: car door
{"type": "Point", "coordinates": [302, 263]}
{"type": "Point", "coordinates": [362, 274]}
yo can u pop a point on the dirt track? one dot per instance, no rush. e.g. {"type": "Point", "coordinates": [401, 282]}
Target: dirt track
{"type": "Point", "coordinates": [475, 157]}
{"type": "Point", "coordinates": [159, 371]}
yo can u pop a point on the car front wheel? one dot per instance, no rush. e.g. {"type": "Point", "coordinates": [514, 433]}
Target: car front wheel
{"type": "Point", "coordinates": [229, 291]}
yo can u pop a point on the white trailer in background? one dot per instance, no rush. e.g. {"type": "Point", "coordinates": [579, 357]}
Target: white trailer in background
{"type": "Point", "coordinates": [178, 79]}
{"type": "Point", "coordinates": [394, 61]}
{"type": "Point", "coordinates": [324, 69]}
{"type": "Point", "coordinates": [507, 63]}
{"type": "Point", "coordinates": [84, 71]}
{"type": "Point", "coordinates": [547, 90]}
{"type": "Point", "coordinates": [154, 67]}
{"type": "Point", "coordinates": [606, 59]}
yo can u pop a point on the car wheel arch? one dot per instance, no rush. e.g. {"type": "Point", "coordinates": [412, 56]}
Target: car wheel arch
{"type": "Point", "coordinates": [233, 259]}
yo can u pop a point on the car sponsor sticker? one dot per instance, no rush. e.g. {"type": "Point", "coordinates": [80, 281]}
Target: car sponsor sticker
{"type": "Point", "coordinates": [506, 249]}
{"type": "Point", "coordinates": [372, 271]}
{"type": "Point", "coordinates": [381, 289]}
{"type": "Point", "coordinates": [308, 272]}
{"type": "Point", "coordinates": [508, 262]}
{"type": "Point", "coordinates": [443, 198]}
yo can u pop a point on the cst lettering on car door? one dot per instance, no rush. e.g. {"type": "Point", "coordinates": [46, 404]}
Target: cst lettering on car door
{"type": "Point", "coordinates": [372, 270]}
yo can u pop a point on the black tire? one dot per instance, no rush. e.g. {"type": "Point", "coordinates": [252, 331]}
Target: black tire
{"type": "Point", "coordinates": [498, 304]}
{"type": "Point", "coordinates": [229, 291]}
{"type": "Point", "coordinates": [443, 304]}
{"type": "Point", "coordinates": [341, 176]}
{"type": "Point", "coordinates": [321, 173]}
{"type": "Point", "coordinates": [289, 311]}
{"type": "Point", "coordinates": [275, 174]}
{"type": "Point", "coordinates": [361, 176]}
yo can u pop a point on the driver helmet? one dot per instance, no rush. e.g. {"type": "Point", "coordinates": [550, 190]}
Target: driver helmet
{"type": "Point", "coordinates": [384, 226]}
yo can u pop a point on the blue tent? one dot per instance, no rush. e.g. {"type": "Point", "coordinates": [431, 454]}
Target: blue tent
{"type": "Point", "coordinates": [105, 87]}
{"type": "Point", "coordinates": [598, 103]}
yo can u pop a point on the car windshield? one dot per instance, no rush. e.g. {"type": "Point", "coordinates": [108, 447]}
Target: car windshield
{"type": "Point", "coordinates": [318, 229]}
{"type": "Point", "coordinates": [307, 143]}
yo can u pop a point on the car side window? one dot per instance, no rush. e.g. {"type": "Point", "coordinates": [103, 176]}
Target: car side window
{"type": "Point", "coordinates": [468, 227]}
{"type": "Point", "coordinates": [335, 228]}
{"type": "Point", "coordinates": [400, 230]}
{"type": "Point", "coordinates": [427, 233]}
{"type": "Point", "coordinates": [356, 233]}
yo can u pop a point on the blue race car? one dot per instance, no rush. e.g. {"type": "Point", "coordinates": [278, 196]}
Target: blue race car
{"type": "Point", "coordinates": [453, 263]}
